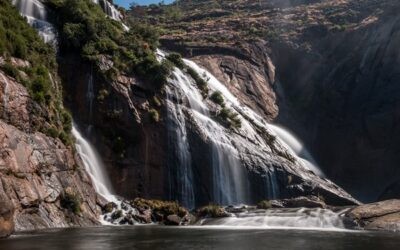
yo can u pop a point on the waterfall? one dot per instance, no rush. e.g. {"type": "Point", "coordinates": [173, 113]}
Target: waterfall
{"type": "Point", "coordinates": [36, 15]}
{"type": "Point", "coordinates": [5, 96]}
{"type": "Point", "coordinates": [285, 137]}
{"type": "Point", "coordinates": [93, 165]}
{"type": "Point", "coordinates": [228, 176]}
{"type": "Point", "coordinates": [182, 189]}
{"type": "Point", "coordinates": [297, 148]}
{"type": "Point", "coordinates": [290, 218]}
{"type": "Point", "coordinates": [109, 9]}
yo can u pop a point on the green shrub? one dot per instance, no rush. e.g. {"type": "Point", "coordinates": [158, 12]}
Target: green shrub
{"type": "Point", "coordinates": [154, 115]}
{"type": "Point", "coordinates": [229, 118]}
{"type": "Point", "coordinates": [200, 82]}
{"type": "Point", "coordinates": [52, 132]}
{"type": "Point", "coordinates": [217, 98]}
{"type": "Point", "coordinates": [176, 59]}
{"type": "Point", "coordinates": [71, 201]}
{"type": "Point", "coordinates": [10, 70]}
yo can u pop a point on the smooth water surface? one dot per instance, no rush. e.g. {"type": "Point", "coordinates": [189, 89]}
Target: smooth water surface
{"type": "Point", "coordinates": [158, 237]}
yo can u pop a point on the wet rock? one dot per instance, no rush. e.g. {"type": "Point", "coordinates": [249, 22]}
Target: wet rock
{"type": "Point", "coordinates": [117, 214]}
{"type": "Point", "coordinates": [212, 211]}
{"type": "Point", "coordinates": [145, 217]}
{"type": "Point", "coordinates": [173, 220]}
{"type": "Point", "coordinates": [109, 207]}
{"type": "Point", "coordinates": [308, 202]}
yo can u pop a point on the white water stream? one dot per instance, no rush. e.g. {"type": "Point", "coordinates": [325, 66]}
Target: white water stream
{"type": "Point", "coordinates": [36, 15]}
{"type": "Point", "coordinates": [296, 218]}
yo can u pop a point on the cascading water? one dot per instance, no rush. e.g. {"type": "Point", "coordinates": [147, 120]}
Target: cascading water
{"type": "Point", "coordinates": [181, 189]}
{"type": "Point", "coordinates": [297, 148]}
{"type": "Point", "coordinates": [36, 15]}
{"type": "Point", "coordinates": [290, 218]}
{"type": "Point", "coordinates": [93, 165]}
{"type": "Point", "coordinates": [286, 138]}
{"type": "Point", "coordinates": [96, 170]}
{"type": "Point", "coordinates": [229, 181]}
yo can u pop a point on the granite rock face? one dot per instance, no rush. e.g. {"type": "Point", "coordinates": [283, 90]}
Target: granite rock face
{"type": "Point", "coordinates": [384, 215]}
{"type": "Point", "coordinates": [36, 170]}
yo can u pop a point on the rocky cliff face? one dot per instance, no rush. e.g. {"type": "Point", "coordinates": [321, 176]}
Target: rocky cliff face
{"type": "Point", "coordinates": [42, 183]}
{"type": "Point", "coordinates": [327, 70]}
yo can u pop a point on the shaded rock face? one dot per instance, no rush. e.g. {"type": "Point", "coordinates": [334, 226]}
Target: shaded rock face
{"type": "Point", "coordinates": [117, 123]}
{"type": "Point", "coordinates": [344, 96]}
{"type": "Point", "coordinates": [35, 171]}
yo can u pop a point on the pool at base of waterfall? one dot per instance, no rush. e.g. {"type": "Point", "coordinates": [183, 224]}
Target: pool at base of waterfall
{"type": "Point", "coordinates": [162, 237]}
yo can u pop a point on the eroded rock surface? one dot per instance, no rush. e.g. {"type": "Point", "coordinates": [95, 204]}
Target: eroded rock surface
{"type": "Point", "coordinates": [36, 170]}
{"type": "Point", "coordinates": [384, 215]}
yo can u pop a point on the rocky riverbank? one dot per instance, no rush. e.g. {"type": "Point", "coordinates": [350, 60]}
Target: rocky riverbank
{"type": "Point", "coordinates": [384, 216]}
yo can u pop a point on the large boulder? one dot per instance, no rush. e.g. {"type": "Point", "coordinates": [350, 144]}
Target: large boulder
{"type": "Point", "coordinates": [384, 215]}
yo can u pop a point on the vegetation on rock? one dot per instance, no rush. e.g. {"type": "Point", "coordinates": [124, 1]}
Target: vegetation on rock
{"type": "Point", "coordinates": [212, 211]}
{"type": "Point", "coordinates": [85, 29]}
{"type": "Point", "coordinates": [35, 69]}
{"type": "Point", "coordinates": [165, 208]}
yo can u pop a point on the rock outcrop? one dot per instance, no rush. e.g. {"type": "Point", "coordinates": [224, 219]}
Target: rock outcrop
{"type": "Point", "coordinates": [37, 170]}
{"type": "Point", "coordinates": [384, 215]}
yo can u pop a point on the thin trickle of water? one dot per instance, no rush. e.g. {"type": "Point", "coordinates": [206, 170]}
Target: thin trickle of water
{"type": "Point", "coordinates": [5, 96]}
{"type": "Point", "coordinates": [90, 94]}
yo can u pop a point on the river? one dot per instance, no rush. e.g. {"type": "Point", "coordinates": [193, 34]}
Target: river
{"type": "Point", "coordinates": [160, 237]}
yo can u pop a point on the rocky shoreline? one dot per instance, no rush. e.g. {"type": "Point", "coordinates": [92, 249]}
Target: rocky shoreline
{"type": "Point", "coordinates": [384, 216]}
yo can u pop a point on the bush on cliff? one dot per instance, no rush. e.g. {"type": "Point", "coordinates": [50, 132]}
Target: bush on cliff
{"type": "Point", "coordinates": [85, 29]}
{"type": "Point", "coordinates": [19, 40]}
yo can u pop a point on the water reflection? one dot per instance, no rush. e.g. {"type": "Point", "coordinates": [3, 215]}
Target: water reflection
{"type": "Point", "coordinates": [156, 237]}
